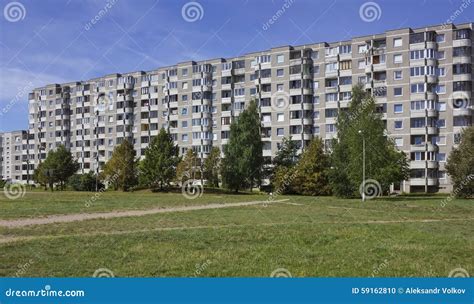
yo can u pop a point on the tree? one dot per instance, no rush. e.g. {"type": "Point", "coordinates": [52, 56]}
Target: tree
{"type": "Point", "coordinates": [58, 167]}
{"type": "Point", "coordinates": [283, 165]}
{"type": "Point", "coordinates": [460, 165]}
{"type": "Point", "coordinates": [384, 163]}
{"type": "Point", "coordinates": [63, 165]}
{"type": "Point", "coordinates": [187, 167]}
{"type": "Point", "coordinates": [287, 155]}
{"type": "Point", "coordinates": [212, 166]}
{"type": "Point", "coordinates": [121, 169]}
{"type": "Point", "coordinates": [161, 158]}
{"type": "Point", "coordinates": [243, 159]}
{"type": "Point", "coordinates": [311, 172]}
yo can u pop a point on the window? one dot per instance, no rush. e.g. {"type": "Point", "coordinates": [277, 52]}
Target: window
{"type": "Point", "coordinates": [332, 51]}
{"type": "Point", "coordinates": [316, 85]}
{"type": "Point", "coordinates": [441, 123]}
{"type": "Point", "coordinates": [184, 124]}
{"type": "Point", "coordinates": [331, 67]}
{"type": "Point", "coordinates": [184, 137]}
{"type": "Point", "coordinates": [440, 55]}
{"type": "Point", "coordinates": [280, 117]}
{"type": "Point", "coordinates": [362, 48]}
{"type": "Point", "coordinates": [398, 108]}
{"type": "Point", "coordinates": [280, 132]}
{"type": "Point", "coordinates": [441, 157]}
{"type": "Point", "coordinates": [280, 73]}
{"type": "Point", "coordinates": [280, 87]}
{"type": "Point", "coordinates": [316, 115]}
{"type": "Point", "coordinates": [440, 89]}
{"type": "Point", "coordinates": [397, 91]}
{"type": "Point", "coordinates": [184, 111]}
{"type": "Point", "coordinates": [440, 38]}
{"type": "Point", "coordinates": [280, 58]}
{"type": "Point", "coordinates": [440, 72]}
{"type": "Point", "coordinates": [441, 106]}
{"type": "Point", "coordinates": [398, 141]}
{"type": "Point", "coordinates": [184, 72]}
{"type": "Point", "coordinates": [315, 55]}
{"type": "Point", "coordinates": [398, 124]}
{"type": "Point", "coordinates": [397, 42]}
{"type": "Point", "coordinates": [345, 49]}
{"type": "Point", "coordinates": [345, 65]}
{"type": "Point", "coordinates": [397, 58]}
{"type": "Point", "coordinates": [361, 64]}
{"type": "Point", "coordinates": [418, 88]}
{"type": "Point", "coordinates": [439, 140]}
{"type": "Point", "coordinates": [330, 128]}
{"type": "Point", "coordinates": [397, 75]}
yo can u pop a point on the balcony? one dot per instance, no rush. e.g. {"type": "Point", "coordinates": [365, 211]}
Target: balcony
{"type": "Point", "coordinates": [461, 42]}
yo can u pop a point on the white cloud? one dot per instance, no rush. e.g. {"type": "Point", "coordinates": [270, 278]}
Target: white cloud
{"type": "Point", "coordinates": [15, 80]}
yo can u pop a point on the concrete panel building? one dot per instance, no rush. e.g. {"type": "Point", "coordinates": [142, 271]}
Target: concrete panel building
{"type": "Point", "coordinates": [421, 79]}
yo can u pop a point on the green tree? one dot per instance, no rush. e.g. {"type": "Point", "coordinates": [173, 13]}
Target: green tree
{"type": "Point", "coordinates": [161, 158]}
{"type": "Point", "coordinates": [384, 163]}
{"type": "Point", "coordinates": [57, 168]}
{"type": "Point", "coordinates": [212, 167]}
{"type": "Point", "coordinates": [121, 169]}
{"type": "Point", "coordinates": [283, 165]}
{"type": "Point", "coordinates": [460, 165]}
{"type": "Point", "coordinates": [188, 167]}
{"type": "Point", "coordinates": [311, 173]}
{"type": "Point", "coordinates": [63, 165]}
{"type": "Point", "coordinates": [243, 159]}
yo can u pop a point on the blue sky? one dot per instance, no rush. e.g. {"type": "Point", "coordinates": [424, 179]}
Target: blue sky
{"type": "Point", "coordinates": [49, 41]}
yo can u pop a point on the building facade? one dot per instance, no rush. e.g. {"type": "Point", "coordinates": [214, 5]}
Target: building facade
{"type": "Point", "coordinates": [421, 79]}
{"type": "Point", "coordinates": [15, 163]}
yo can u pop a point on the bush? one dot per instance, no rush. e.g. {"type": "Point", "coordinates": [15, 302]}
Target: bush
{"type": "Point", "coordinates": [84, 182]}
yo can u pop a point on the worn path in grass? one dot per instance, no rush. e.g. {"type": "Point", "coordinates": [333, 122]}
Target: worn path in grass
{"type": "Point", "coordinates": [66, 218]}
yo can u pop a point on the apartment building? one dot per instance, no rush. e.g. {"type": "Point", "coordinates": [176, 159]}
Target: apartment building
{"type": "Point", "coordinates": [15, 165]}
{"type": "Point", "coordinates": [421, 79]}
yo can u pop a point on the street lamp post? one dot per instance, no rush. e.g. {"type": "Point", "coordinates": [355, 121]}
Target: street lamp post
{"type": "Point", "coordinates": [363, 165]}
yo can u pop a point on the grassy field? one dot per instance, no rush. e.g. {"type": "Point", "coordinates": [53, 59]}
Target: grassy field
{"type": "Point", "coordinates": [306, 236]}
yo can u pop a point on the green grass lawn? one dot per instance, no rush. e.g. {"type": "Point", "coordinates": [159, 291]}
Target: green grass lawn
{"type": "Point", "coordinates": [308, 236]}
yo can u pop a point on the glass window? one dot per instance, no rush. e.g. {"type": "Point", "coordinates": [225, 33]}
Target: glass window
{"type": "Point", "coordinates": [397, 91]}
{"type": "Point", "coordinates": [397, 75]}
{"type": "Point", "coordinates": [280, 58]}
{"type": "Point", "coordinates": [397, 42]}
{"type": "Point", "coordinates": [397, 58]}
{"type": "Point", "coordinates": [280, 73]}
{"type": "Point", "coordinates": [398, 124]}
{"type": "Point", "coordinates": [398, 108]}
{"type": "Point", "coordinates": [280, 132]}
